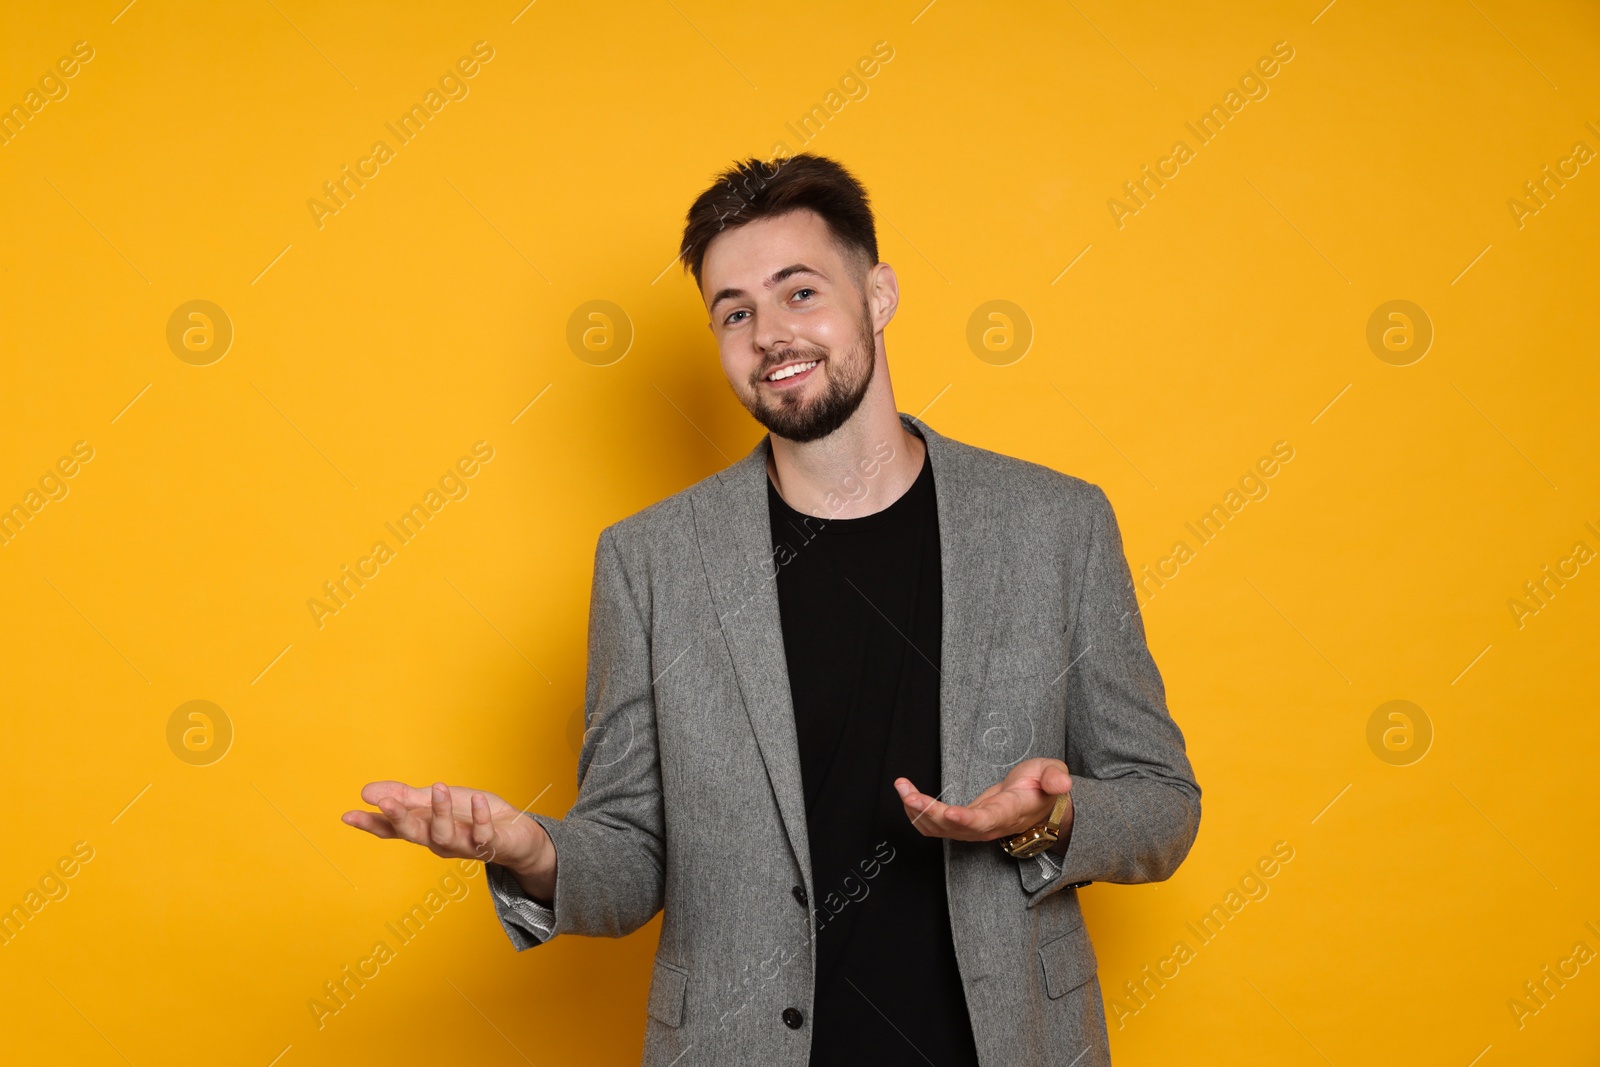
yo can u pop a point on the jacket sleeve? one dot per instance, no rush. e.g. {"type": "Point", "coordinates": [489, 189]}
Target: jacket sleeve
{"type": "Point", "coordinates": [610, 845]}
{"type": "Point", "coordinates": [1136, 804]}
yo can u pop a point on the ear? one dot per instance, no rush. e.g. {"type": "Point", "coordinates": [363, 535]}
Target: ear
{"type": "Point", "coordinates": [883, 295]}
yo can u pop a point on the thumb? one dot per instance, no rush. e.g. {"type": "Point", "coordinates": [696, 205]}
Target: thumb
{"type": "Point", "coordinates": [1055, 779]}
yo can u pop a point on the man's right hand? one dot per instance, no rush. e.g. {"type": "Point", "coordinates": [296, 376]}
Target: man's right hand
{"type": "Point", "coordinates": [460, 823]}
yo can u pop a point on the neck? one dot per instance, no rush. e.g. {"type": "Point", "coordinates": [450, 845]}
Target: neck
{"type": "Point", "coordinates": [860, 468]}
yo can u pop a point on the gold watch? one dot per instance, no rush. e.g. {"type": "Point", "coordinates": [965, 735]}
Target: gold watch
{"type": "Point", "coordinates": [1036, 839]}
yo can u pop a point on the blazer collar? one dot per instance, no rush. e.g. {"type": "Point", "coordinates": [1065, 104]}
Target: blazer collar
{"type": "Point", "coordinates": [734, 533]}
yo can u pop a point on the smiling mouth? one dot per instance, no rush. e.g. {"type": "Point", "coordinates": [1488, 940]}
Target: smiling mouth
{"type": "Point", "coordinates": [791, 370]}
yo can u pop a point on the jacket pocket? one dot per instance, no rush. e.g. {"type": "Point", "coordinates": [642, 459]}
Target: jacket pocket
{"type": "Point", "coordinates": [1069, 961]}
{"type": "Point", "coordinates": [668, 985]}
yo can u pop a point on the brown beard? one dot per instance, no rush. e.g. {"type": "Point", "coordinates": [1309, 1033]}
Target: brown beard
{"type": "Point", "coordinates": [849, 374]}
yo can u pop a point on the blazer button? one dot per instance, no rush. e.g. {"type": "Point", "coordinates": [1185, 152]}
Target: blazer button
{"type": "Point", "coordinates": [792, 1018]}
{"type": "Point", "coordinates": [800, 895]}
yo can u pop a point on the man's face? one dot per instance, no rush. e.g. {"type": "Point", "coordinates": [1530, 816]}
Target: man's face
{"type": "Point", "coordinates": [792, 323]}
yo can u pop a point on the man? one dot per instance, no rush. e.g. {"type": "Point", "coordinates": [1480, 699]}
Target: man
{"type": "Point", "coordinates": [827, 686]}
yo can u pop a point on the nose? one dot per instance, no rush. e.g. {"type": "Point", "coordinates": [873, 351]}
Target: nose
{"type": "Point", "coordinates": [773, 332]}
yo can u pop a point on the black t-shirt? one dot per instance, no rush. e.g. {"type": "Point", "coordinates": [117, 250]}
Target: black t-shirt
{"type": "Point", "coordinates": [861, 605]}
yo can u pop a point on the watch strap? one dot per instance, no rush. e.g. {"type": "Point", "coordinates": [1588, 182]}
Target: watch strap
{"type": "Point", "coordinates": [1045, 835]}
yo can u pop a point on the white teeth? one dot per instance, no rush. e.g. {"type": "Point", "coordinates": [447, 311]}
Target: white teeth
{"type": "Point", "coordinates": [791, 370]}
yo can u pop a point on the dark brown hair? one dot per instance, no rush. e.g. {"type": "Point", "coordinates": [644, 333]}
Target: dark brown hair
{"type": "Point", "coordinates": [752, 189]}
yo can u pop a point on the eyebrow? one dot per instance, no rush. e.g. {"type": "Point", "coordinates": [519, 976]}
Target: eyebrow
{"type": "Point", "coordinates": [778, 276]}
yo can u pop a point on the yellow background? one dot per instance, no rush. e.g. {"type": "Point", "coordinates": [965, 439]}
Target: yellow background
{"type": "Point", "coordinates": [369, 354]}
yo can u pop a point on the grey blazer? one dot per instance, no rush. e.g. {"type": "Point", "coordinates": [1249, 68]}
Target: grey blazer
{"type": "Point", "coordinates": [690, 801]}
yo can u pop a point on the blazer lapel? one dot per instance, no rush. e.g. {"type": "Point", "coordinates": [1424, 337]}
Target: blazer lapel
{"type": "Point", "coordinates": [734, 531]}
{"type": "Point", "coordinates": [969, 564]}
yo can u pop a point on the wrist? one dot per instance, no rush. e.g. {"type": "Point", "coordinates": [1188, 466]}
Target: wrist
{"type": "Point", "coordinates": [536, 872]}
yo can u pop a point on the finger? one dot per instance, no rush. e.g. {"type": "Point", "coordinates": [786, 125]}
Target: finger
{"type": "Point", "coordinates": [1055, 779]}
{"type": "Point", "coordinates": [921, 804]}
{"type": "Point", "coordinates": [947, 821]}
{"type": "Point", "coordinates": [915, 799]}
{"type": "Point", "coordinates": [442, 828]}
{"type": "Point", "coordinates": [918, 805]}
{"type": "Point", "coordinates": [482, 828]}
{"type": "Point", "coordinates": [397, 801]}
{"type": "Point", "coordinates": [926, 823]}
{"type": "Point", "coordinates": [1026, 771]}
{"type": "Point", "coordinates": [973, 819]}
{"type": "Point", "coordinates": [373, 792]}
{"type": "Point", "coordinates": [376, 824]}
{"type": "Point", "coordinates": [405, 825]}
{"type": "Point", "coordinates": [910, 797]}
{"type": "Point", "coordinates": [933, 818]}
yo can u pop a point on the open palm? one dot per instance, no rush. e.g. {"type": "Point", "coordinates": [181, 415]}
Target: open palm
{"type": "Point", "coordinates": [451, 821]}
{"type": "Point", "coordinates": [1020, 800]}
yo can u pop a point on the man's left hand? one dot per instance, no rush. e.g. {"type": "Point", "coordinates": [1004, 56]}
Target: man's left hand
{"type": "Point", "coordinates": [1021, 800]}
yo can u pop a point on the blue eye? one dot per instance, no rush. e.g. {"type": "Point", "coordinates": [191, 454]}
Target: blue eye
{"type": "Point", "coordinates": [804, 290]}
{"type": "Point", "coordinates": [730, 318]}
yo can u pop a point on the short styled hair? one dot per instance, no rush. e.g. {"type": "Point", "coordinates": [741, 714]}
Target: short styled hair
{"type": "Point", "coordinates": [752, 189]}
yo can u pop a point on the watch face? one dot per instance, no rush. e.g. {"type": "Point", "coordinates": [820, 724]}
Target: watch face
{"type": "Point", "coordinates": [1030, 843]}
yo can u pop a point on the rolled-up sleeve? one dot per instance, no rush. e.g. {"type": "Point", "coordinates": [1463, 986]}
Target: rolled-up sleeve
{"type": "Point", "coordinates": [525, 921]}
